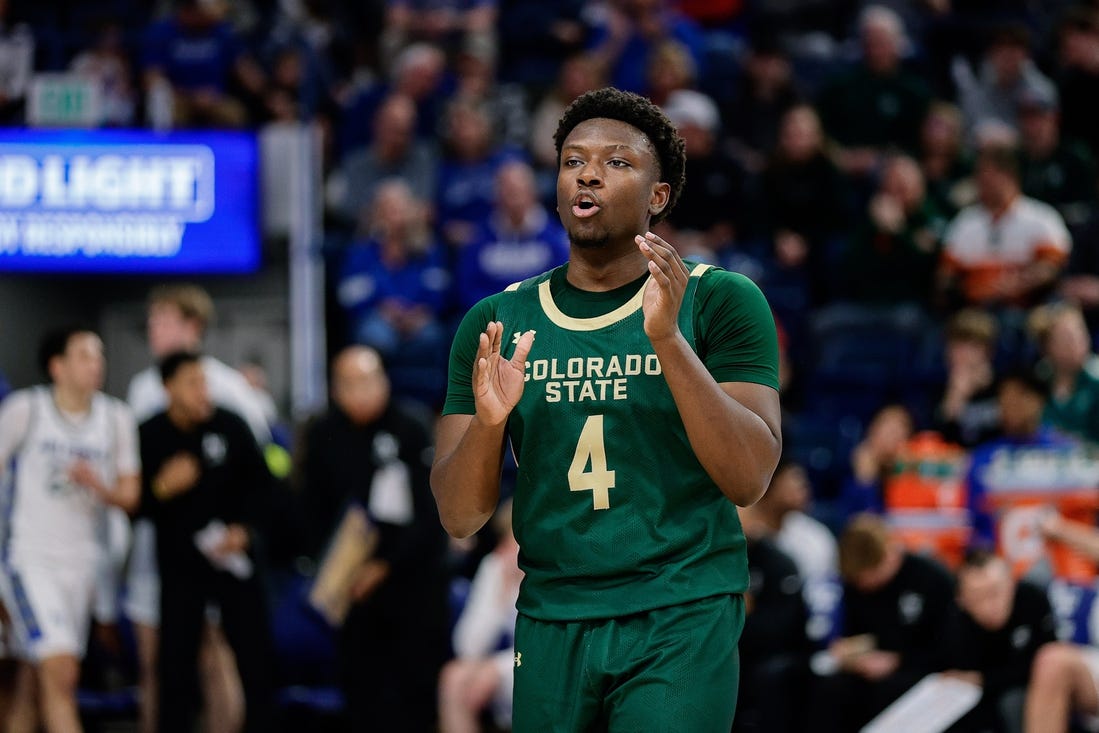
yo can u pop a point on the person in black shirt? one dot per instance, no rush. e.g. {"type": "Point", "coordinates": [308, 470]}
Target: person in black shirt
{"type": "Point", "coordinates": [998, 628]}
{"type": "Point", "coordinates": [204, 476]}
{"type": "Point", "coordinates": [774, 648]}
{"type": "Point", "coordinates": [377, 453]}
{"type": "Point", "coordinates": [897, 608]}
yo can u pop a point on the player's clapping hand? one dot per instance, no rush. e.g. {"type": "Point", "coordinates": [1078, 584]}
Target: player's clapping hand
{"type": "Point", "coordinates": [178, 475]}
{"type": "Point", "coordinates": [664, 291]}
{"type": "Point", "coordinates": [498, 382]}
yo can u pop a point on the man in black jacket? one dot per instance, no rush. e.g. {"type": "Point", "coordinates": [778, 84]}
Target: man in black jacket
{"type": "Point", "coordinates": [999, 627]}
{"type": "Point", "coordinates": [897, 608]}
{"type": "Point", "coordinates": [203, 485]}
{"type": "Point", "coordinates": [375, 453]}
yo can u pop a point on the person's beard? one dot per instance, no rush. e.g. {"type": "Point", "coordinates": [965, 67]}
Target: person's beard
{"type": "Point", "coordinates": [589, 242]}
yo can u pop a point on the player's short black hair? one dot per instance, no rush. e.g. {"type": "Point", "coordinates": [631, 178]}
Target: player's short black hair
{"type": "Point", "coordinates": [55, 342]}
{"type": "Point", "coordinates": [633, 109]}
{"type": "Point", "coordinates": [175, 361]}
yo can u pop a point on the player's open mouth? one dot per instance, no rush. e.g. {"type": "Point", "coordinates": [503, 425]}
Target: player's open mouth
{"type": "Point", "coordinates": [585, 205]}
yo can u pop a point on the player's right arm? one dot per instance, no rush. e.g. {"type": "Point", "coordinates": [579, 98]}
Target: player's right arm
{"type": "Point", "coordinates": [15, 418]}
{"type": "Point", "coordinates": [469, 448]}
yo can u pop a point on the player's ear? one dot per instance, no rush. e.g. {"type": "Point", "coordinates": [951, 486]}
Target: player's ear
{"type": "Point", "coordinates": [658, 200]}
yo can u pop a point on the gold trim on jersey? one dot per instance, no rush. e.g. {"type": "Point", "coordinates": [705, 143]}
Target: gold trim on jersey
{"type": "Point", "coordinates": [558, 318]}
{"type": "Point", "coordinates": [588, 324]}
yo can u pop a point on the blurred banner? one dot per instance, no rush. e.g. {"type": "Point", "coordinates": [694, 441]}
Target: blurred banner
{"type": "Point", "coordinates": [128, 201]}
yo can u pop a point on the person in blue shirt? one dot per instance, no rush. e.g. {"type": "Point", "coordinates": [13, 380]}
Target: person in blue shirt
{"type": "Point", "coordinates": [393, 287]}
{"type": "Point", "coordinates": [519, 239]}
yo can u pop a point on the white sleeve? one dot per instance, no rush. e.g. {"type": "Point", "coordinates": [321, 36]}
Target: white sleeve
{"type": "Point", "coordinates": [478, 627]}
{"type": "Point", "coordinates": [145, 395]}
{"type": "Point", "coordinates": [229, 389]}
{"type": "Point", "coordinates": [127, 456]}
{"type": "Point", "coordinates": [1051, 229]}
{"type": "Point", "coordinates": [15, 421]}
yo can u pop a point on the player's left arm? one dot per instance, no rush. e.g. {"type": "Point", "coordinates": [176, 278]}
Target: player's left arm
{"type": "Point", "coordinates": [733, 427]}
{"type": "Point", "coordinates": [126, 491]}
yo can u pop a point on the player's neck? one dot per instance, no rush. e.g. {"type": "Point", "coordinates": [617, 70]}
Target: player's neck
{"type": "Point", "coordinates": [606, 268]}
{"type": "Point", "coordinates": [71, 400]}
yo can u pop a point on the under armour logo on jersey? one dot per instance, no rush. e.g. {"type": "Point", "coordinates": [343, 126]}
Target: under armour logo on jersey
{"type": "Point", "coordinates": [518, 335]}
{"type": "Point", "coordinates": [518, 659]}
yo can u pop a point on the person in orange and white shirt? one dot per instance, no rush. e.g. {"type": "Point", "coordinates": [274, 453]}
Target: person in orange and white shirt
{"type": "Point", "coordinates": [1006, 249]}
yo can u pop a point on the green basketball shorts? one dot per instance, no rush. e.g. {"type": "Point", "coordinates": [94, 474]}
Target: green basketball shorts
{"type": "Point", "coordinates": [668, 670]}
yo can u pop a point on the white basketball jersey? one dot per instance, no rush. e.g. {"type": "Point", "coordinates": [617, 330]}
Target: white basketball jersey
{"type": "Point", "coordinates": [52, 517]}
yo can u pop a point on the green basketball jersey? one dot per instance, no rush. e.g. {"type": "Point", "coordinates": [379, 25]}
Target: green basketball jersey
{"type": "Point", "coordinates": [613, 512]}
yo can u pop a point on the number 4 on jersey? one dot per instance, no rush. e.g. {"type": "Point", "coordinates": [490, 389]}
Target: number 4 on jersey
{"type": "Point", "coordinates": [591, 449]}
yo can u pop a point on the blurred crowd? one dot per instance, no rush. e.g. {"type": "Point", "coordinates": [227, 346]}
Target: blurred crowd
{"type": "Point", "coordinates": [913, 185]}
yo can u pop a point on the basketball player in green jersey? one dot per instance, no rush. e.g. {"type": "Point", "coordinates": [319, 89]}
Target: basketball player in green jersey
{"type": "Point", "coordinates": [639, 393]}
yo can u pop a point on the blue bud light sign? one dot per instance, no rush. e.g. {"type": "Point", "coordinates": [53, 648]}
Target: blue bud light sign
{"type": "Point", "coordinates": [128, 202]}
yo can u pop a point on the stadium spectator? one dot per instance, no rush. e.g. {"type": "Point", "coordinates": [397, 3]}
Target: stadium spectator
{"type": "Point", "coordinates": [896, 610]}
{"type": "Point", "coordinates": [669, 69]}
{"type": "Point", "coordinates": [873, 457]}
{"type": "Point", "coordinates": [891, 257]}
{"type": "Point", "coordinates": [1055, 171]}
{"type": "Point", "coordinates": [418, 72]}
{"type": "Point", "coordinates": [16, 65]}
{"type": "Point", "coordinates": [1079, 284]}
{"type": "Point", "coordinates": [713, 197]}
{"type": "Point", "coordinates": [394, 152]}
{"type": "Point", "coordinates": [479, 679]}
{"type": "Point", "coordinates": [803, 199]}
{"type": "Point", "coordinates": [578, 74]}
{"type": "Point", "coordinates": [372, 451]}
{"type": "Point", "coordinates": [467, 173]}
{"type": "Point", "coordinates": [446, 23]}
{"type": "Point", "coordinates": [197, 57]}
{"type": "Point", "coordinates": [394, 286]}
{"type": "Point", "coordinates": [76, 452]}
{"type": "Point", "coordinates": [1022, 394]}
{"type": "Point", "coordinates": [1073, 368]}
{"type": "Point", "coordinates": [106, 64]}
{"type": "Point", "coordinates": [204, 478]}
{"type": "Point", "coordinates": [519, 240]}
{"type": "Point", "coordinates": [774, 648]}
{"type": "Point", "coordinates": [1007, 75]}
{"type": "Point", "coordinates": [781, 514]}
{"type": "Point", "coordinates": [177, 318]}
{"type": "Point", "coordinates": [877, 104]}
{"type": "Point", "coordinates": [1005, 250]}
{"type": "Point", "coordinates": [476, 80]}
{"type": "Point", "coordinates": [1078, 75]}
{"type": "Point", "coordinates": [536, 37]}
{"type": "Point", "coordinates": [968, 412]}
{"type": "Point", "coordinates": [765, 90]}
{"type": "Point", "coordinates": [998, 629]}
{"type": "Point", "coordinates": [944, 158]}
{"type": "Point", "coordinates": [1064, 681]}
{"type": "Point", "coordinates": [627, 33]}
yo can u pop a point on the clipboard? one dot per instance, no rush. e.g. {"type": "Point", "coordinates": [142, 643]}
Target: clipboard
{"type": "Point", "coordinates": [352, 544]}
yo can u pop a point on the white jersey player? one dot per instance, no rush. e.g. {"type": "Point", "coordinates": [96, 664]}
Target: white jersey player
{"type": "Point", "coordinates": [75, 452]}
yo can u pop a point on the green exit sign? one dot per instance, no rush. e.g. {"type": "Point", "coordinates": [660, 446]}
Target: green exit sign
{"type": "Point", "coordinates": [63, 100]}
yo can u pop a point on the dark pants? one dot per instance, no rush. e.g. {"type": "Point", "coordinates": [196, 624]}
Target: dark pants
{"type": "Point", "coordinates": [772, 695]}
{"type": "Point", "coordinates": [245, 621]}
{"type": "Point", "coordinates": [844, 703]}
{"type": "Point", "coordinates": [391, 650]}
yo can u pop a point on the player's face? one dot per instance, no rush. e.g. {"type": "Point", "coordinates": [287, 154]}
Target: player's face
{"type": "Point", "coordinates": [188, 394]}
{"type": "Point", "coordinates": [169, 331]}
{"type": "Point", "coordinates": [607, 183]}
{"type": "Point", "coordinates": [82, 365]}
{"type": "Point", "coordinates": [987, 594]}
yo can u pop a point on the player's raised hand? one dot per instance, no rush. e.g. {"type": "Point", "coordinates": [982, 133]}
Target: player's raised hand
{"type": "Point", "coordinates": [664, 291]}
{"type": "Point", "coordinates": [498, 382]}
